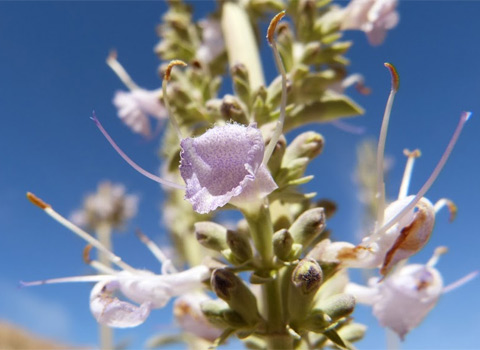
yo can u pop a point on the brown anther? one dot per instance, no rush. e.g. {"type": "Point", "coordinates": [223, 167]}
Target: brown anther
{"type": "Point", "coordinates": [395, 76]}
{"type": "Point", "coordinates": [452, 208]}
{"type": "Point", "coordinates": [363, 89]}
{"type": "Point", "coordinates": [414, 154]}
{"type": "Point", "coordinates": [170, 66]}
{"type": "Point", "coordinates": [141, 236]}
{"type": "Point", "coordinates": [441, 250]}
{"type": "Point", "coordinates": [86, 254]}
{"type": "Point", "coordinates": [37, 201]}
{"type": "Point", "coordinates": [273, 25]}
{"type": "Point", "coordinates": [112, 55]}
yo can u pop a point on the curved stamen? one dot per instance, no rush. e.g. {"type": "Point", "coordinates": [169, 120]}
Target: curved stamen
{"type": "Point", "coordinates": [166, 79]}
{"type": "Point", "coordinates": [130, 161]}
{"type": "Point", "coordinates": [439, 251]}
{"type": "Point", "coordinates": [97, 265]}
{"type": "Point", "coordinates": [460, 282]}
{"type": "Point", "coordinates": [156, 251]}
{"type": "Point", "coordinates": [120, 71]}
{"type": "Point", "coordinates": [407, 174]}
{"type": "Point", "coordinates": [283, 103]}
{"type": "Point", "coordinates": [381, 144]}
{"type": "Point", "coordinates": [79, 232]}
{"type": "Point", "coordinates": [463, 119]}
{"type": "Point", "coordinates": [452, 208]}
{"type": "Point", "coordinates": [91, 278]}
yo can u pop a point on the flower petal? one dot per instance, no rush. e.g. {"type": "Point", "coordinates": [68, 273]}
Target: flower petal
{"type": "Point", "coordinates": [112, 312]}
{"type": "Point", "coordinates": [221, 163]}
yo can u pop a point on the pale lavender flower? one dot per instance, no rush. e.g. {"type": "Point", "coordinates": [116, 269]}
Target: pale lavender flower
{"type": "Point", "coordinates": [189, 315]}
{"type": "Point", "coordinates": [145, 288]}
{"type": "Point", "coordinates": [134, 108]}
{"type": "Point", "coordinates": [374, 17]}
{"type": "Point", "coordinates": [212, 40]}
{"type": "Point", "coordinates": [403, 299]}
{"type": "Point", "coordinates": [225, 165]}
{"type": "Point", "coordinates": [110, 205]}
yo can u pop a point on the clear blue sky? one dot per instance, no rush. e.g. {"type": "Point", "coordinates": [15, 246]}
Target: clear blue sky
{"type": "Point", "coordinates": [53, 73]}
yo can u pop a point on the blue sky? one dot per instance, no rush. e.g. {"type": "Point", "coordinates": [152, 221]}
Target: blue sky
{"type": "Point", "coordinates": [53, 73]}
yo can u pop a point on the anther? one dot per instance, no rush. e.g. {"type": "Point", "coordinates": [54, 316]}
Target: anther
{"type": "Point", "coordinates": [86, 254]}
{"type": "Point", "coordinates": [273, 25]}
{"type": "Point", "coordinates": [170, 67]}
{"type": "Point", "coordinates": [37, 201]}
{"type": "Point", "coordinates": [395, 76]}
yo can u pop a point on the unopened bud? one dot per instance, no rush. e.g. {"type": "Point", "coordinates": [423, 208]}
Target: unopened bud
{"type": "Point", "coordinates": [337, 306]}
{"type": "Point", "coordinates": [328, 206]}
{"type": "Point", "coordinates": [219, 314]}
{"type": "Point", "coordinates": [239, 245]}
{"type": "Point", "coordinates": [241, 82]}
{"type": "Point", "coordinates": [211, 235]}
{"type": "Point", "coordinates": [282, 244]}
{"type": "Point", "coordinates": [352, 332]}
{"type": "Point", "coordinates": [232, 109]}
{"type": "Point", "coordinates": [308, 144]}
{"type": "Point", "coordinates": [316, 321]}
{"type": "Point", "coordinates": [308, 226]}
{"type": "Point", "coordinates": [239, 297]}
{"type": "Point", "coordinates": [306, 280]}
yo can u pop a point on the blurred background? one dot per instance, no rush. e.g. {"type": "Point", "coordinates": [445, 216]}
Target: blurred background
{"type": "Point", "coordinates": [53, 74]}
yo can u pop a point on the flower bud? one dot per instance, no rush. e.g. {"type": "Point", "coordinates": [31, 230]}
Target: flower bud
{"type": "Point", "coordinates": [239, 297]}
{"type": "Point", "coordinates": [337, 306]}
{"type": "Point", "coordinates": [308, 144]}
{"type": "Point", "coordinates": [241, 82]}
{"type": "Point", "coordinates": [233, 109]}
{"type": "Point", "coordinates": [211, 235]}
{"type": "Point", "coordinates": [240, 247]}
{"type": "Point", "coordinates": [308, 226]}
{"type": "Point", "coordinates": [306, 280]}
{"type": "Point", "coordinates": [219, 314]}
{"type": "Point", "coordinates": [282, 244]}
{"type": "Point", "coordinates": [352, 332]}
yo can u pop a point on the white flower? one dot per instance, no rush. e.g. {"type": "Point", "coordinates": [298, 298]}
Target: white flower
{"type": "Point", "coordinates": [188, 313]}
{"type": "Point", "coordinates": [109, 205]}
{"type": "Point", "coordinates": [212, 40]}
{"type": "Point", "coordinates": [135, 107]}
{"type": "Point", "coordinates": [403, 299]}
{"type": "Point", "coordinates": [374, 17]}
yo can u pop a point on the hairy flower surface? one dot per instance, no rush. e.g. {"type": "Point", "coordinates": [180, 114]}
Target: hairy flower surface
{"type": "Point", "coordinates": [225, 165]}
{"type": "Point", "coordinates": [374, 17]}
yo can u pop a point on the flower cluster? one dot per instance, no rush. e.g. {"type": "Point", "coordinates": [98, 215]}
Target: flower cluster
{"type": "Point", "coordinates": [280, 282]}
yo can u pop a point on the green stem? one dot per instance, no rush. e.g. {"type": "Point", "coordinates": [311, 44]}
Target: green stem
{"type": "Point", "coordinates": [261, 230]}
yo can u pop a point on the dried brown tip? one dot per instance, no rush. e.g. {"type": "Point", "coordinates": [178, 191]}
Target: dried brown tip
{"type": "Point", "coordinates": [170, 66]}
{"type": "Point", "coordinates": [273, 25]}
{"type": "Point", "coordinates": [415, 153]}
{"type": "Point", "coordinates": [37, 201]}
{"type": "Point", "coordinates": [441, 250]}
{"type": "Point", "coordinates": [86, 254]}
{"type": "Point", "coordinates": [112, 55]}
{"type": "Point", "coordinates": [141, 236]}
{"type": "Point", "coordinates": [395, 76]}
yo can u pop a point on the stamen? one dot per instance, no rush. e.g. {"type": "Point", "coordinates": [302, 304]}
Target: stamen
{"type": "Point", "coordinates": [439, 251]}
{"type": "Point", "coordinates": [120, 71]}
{"type": "Point", "coordinates": [381, 145]}
{"type": "Point", "coordinates": [131, 162]}
{"type": "Point", "coordinates": [97, 265]}
{"type": "Point", "coordinates": [407, 174]}
{"type": "Point", "coordinates": [359, 81]}
{"type": "Point", "coordinates": [452, 208]}
{"type": "Point", "coordinates": [166, 78]}
{"type": "Point", "coordinates": [91, 278]}
{"type": "Point", "coordinates": [463, 119]}
{"type": "Point", "coordinates": [460, 282]}
{"type": "Point", "coordinates": [155, 249]}
{"type": "Point", "coordinates": [79, 232]}
{"type": "Point", "coordinates": [347, 127]}
{"type": "Point", "coordinates": [37, 201]}
{"type": "Point", "coordinates": [283, 103]}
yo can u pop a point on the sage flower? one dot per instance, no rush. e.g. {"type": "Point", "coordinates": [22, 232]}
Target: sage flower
{"type": "Point", "coordinates": [225, 165]}
{"type": "Point", "coordinates": [145, 289]}
{"type": "Point", "coordinates": [374, 17]}
{"type": "Point", "coordinates": [109, 205]}
{"type": "Point", "coordinates": [135, 106]}
{"type": "Point", "coordinates": [212, 40]}
{"type": "Point", "coordinates": [403, 299]}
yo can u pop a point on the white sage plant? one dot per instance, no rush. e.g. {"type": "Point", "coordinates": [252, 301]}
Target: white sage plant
{"type": "Point", "coordinates": [274, 279]}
